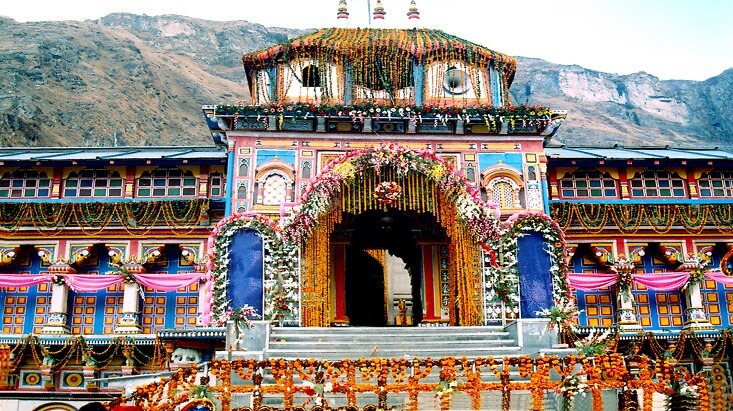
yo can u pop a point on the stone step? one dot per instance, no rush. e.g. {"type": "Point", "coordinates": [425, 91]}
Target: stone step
{"type": "Point", "coordinates": [389, 343]}
{"type": "Point", "coordinates": [335, 343]}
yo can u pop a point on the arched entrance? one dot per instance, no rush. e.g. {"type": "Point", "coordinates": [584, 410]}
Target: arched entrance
{"type": "Point", "coordinates": [383, 266]}
{"type": "Point", "coordinates": [378, 202]}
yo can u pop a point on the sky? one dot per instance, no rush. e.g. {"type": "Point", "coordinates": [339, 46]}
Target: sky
{"type": "Point", "coordinates": [670, 39]}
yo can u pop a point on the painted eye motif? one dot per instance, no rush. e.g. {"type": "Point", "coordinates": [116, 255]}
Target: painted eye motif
{"type": "Point", "coordinates": [456, 81]}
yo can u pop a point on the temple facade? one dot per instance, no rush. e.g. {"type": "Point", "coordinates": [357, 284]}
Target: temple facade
{"type": "Point", "coordinates": [379, 179]}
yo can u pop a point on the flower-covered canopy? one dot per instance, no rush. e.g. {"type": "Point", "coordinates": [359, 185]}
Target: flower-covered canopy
{"type": "Point", "coordinates": [379, 55]}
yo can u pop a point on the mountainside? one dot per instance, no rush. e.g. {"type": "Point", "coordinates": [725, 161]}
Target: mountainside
{"type": "Point", "coordinates": [636, 109]}
{"type": "Point", "coordinates": [140, 80]}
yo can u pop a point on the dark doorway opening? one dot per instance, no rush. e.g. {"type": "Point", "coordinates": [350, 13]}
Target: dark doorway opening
{"type": "Point", "coordinates": [395, 232]}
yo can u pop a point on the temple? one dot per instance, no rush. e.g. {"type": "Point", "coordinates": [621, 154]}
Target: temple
{"type": "Point", "coordinates": [378, 227]}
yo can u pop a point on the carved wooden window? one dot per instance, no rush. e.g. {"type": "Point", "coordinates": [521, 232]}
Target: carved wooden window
{"type": "Point", "coordinates": [93, 183]}
{"type": "Point", "coordinates": [504, 192]}
{"type": "Point", "coordinates": [167, 182]}
{"type": "Point", "coordinates": [588, 184]}
{"type": "Point", "coordinates": [25, 183]}
{"type": "Point", "coordinates": [216, 185]}
{"type": "Point", "coordinates": [657, 183]}
{"type": "Point", "coordinates": [716, 184]}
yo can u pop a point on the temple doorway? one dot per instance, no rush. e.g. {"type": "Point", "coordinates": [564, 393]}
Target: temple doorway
{"type": "Point", "coordinates": [383, 272]}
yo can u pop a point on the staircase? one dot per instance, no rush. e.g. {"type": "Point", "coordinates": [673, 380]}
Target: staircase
{"type": "Point", "coordinates": [336, 343]}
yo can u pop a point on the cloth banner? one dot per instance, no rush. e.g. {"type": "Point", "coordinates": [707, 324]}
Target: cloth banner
{"type": "Point", "coordinates": [662, 282]}
{"type": "Point", "coordinates": [591, 282]}
{"type": "Point", "coordinates": [22, 280]}
{"type": "Point", "coordinates": [91, 282]}
{"type": "Point", "coordinates": [167, 282]}
{"type": "Point", "coordinates": [719, 277]}
{"type": "Point", "coordinates": [653, 281]}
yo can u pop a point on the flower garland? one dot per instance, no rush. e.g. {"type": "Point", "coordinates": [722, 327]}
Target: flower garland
{"type": "Point", "coordinates": [629, 218]}
{"type": "Point", "coordinates": [281, 289]}
{"type": "Point", "coordinates": [477, 216]}
{"type": "Point", "coordinates": [518, 225]}
{"type": "Point", "coordinates": [350, 379]}
{"type": "Point", "coordinates": [387, 192]}
{"type": "Point", "coordinates": [137, 218]}
{"type": "Point", "coordinates": [539, 116]}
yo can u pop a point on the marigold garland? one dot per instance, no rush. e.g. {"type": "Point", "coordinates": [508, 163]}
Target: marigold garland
{"type": "Point", "coordinates": [137, 218]}
{"type": "Point", "coordinates": [630, 218]}
{"type": "Point", "coordinates": [411, 377]}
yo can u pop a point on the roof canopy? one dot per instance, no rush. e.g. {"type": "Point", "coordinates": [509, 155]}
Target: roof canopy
{"type": "Point", "coordinates": [391, 47]}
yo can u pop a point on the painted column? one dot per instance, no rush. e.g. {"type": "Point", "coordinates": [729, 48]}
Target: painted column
{"type": "Point", "coordinates": [56, 322]}
{"type": "Point", "coordinates": [340, 317]}
{"type": "Point", "coordinates": [429, 284]}
{"type": "Point", "coordinates": [57, 315]}
{"type": "Point", "coordinates": [128, 322]}
{"type": "Point", "coordinates": [695, 318]}
{"type": "Point", "coordinates": [627, 321]}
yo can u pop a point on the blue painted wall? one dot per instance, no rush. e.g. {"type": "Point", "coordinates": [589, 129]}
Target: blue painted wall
{"type": "Point", "coordinates": [490, 159]}
{"type": "Point", "coordinates": [535, 284]}
{"type": "Point", "coordinates": [286, 156]}
{"type": "Point", "coordinates": [246, 257]}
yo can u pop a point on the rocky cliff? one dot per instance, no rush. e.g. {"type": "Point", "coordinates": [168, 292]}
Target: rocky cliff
{"type": "Point", "coordinates": [634, 109]}
{"type": "Point", "coordinates": [139, 80]}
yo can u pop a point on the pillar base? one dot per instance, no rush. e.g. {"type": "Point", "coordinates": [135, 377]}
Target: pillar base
{"type": "Point", "coordinates": [696, 320]}
{"type": "Point", "coordinates": [698, 325]}
{"type": "Point", "coordinates": [128, 324]}
{"type": "Point", "coordinates": [627, 322]}
{"type": "Point", "coordinates": [629, 328]}
{"type": "Point", "coordinates": [56, 324]}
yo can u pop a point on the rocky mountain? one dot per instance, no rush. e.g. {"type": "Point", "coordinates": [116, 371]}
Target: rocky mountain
{"type": "Point", "coordinates": [140, 80]}
{"type": "Point", "coordinates": [636, 109]}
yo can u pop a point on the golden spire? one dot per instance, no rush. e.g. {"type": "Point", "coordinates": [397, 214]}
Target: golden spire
{"type": "Point", "coordinates": [413, 15]}
{"type": "Point", "coordinates": [342, 15]}
{"type": "Point", "coordinates": [379, 13]}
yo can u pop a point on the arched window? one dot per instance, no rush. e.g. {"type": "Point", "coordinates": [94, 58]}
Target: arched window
{"type": "Point", "coordinates": [167, 182]}
{"type": "Point", "coordinates": [716, 184]}
{"type": "Point", "coordinates": [274, 184]}
{"type": "Point", "coordinates": [242, 190]}
{"type": "Point", "coordinates": [588, 183]}
{"type": "Point", "coordinates": [275, 190]}
{"type": "Point", "coordinates": [471, 173]}
{"type": "Point", "coordinates": [504, 192]}
{"type": "Point", "coordinates": [503, 185]}
{"type": "Point", "coordinates": [306, 169]}
{"type": "Point", "coordinates": [25, 183]}
{"type": "Point", "coordinates": [311, 77]}
{"type": "Point", "coordinates": [243, 167]}
{"type": "Point", "coordinates": [92, 182]}
{"type": "Point", "coordinates": [657, 183]}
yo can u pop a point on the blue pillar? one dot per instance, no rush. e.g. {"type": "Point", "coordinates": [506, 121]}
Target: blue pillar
{"type": "Point", "coordinates": [228, 196]}
{"type": "Point", "coordinates": [418, 79]}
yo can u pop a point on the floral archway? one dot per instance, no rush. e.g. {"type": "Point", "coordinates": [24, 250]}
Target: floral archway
{"type": "Point", "coordinates": [356, 182]}
{"type": "Point", "coordinates": [299, 293]}
{"type": "Point", "coordinates": [281, 302]}
{"type": "Point", "coordinates": [502, 276]}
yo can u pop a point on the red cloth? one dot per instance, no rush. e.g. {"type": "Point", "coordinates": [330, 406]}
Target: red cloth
{"type": "Point", "coordinates": [126, 408]}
